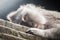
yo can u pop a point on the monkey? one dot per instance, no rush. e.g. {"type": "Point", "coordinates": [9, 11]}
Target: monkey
{"type": "Point", "coordinates": [42, 21]}
{"type": "Point", "coordinates": [18, 16]}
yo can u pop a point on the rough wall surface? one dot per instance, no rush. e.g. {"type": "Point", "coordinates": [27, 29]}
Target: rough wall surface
{"type": "Point", "coordinates": [12, 31]}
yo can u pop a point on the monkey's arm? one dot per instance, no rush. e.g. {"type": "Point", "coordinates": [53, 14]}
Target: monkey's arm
{"type": "Point", "coordinates": [48, 33]}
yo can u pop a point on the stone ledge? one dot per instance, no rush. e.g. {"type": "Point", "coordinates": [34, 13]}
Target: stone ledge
{"type": "Point", "coordinates": [15, 30]}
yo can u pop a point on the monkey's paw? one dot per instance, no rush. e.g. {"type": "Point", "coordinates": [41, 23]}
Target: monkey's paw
{"type": "Point", "coordinates": [33, 31]}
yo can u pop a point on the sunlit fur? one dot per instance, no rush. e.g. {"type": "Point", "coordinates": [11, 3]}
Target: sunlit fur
{"type": "Point", "coordinates": [37, 17]}
{"type": "Point", "coordinates": [31, 11]}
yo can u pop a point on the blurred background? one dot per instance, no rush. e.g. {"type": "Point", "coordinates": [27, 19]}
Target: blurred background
{"type": "Point", "coordinates": [7, 6]}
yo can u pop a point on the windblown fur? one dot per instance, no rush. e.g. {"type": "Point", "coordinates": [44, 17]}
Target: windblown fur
{"type": "Point", "coordinates": [36, 17]}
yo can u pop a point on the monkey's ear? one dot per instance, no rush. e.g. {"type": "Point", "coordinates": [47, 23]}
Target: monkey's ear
{"type": "Point", "coordinates": [23, 20]}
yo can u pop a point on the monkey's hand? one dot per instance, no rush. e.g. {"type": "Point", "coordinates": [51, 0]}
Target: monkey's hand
{"type": "Point", "coordinates": [35, 31]}
{"type": "Point", "coordinates": [48, 33]}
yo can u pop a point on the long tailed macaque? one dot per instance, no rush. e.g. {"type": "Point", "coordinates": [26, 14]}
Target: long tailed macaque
{"type": "Point", "coordinates": [42, 20]}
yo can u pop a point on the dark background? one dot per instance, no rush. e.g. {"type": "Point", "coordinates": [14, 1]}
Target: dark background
{"type": "Point", "coordinates": [7, 6]}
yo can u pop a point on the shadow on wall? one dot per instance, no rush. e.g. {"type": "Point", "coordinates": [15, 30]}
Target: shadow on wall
{"type": "Point", "coordinates": [7, 6]}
